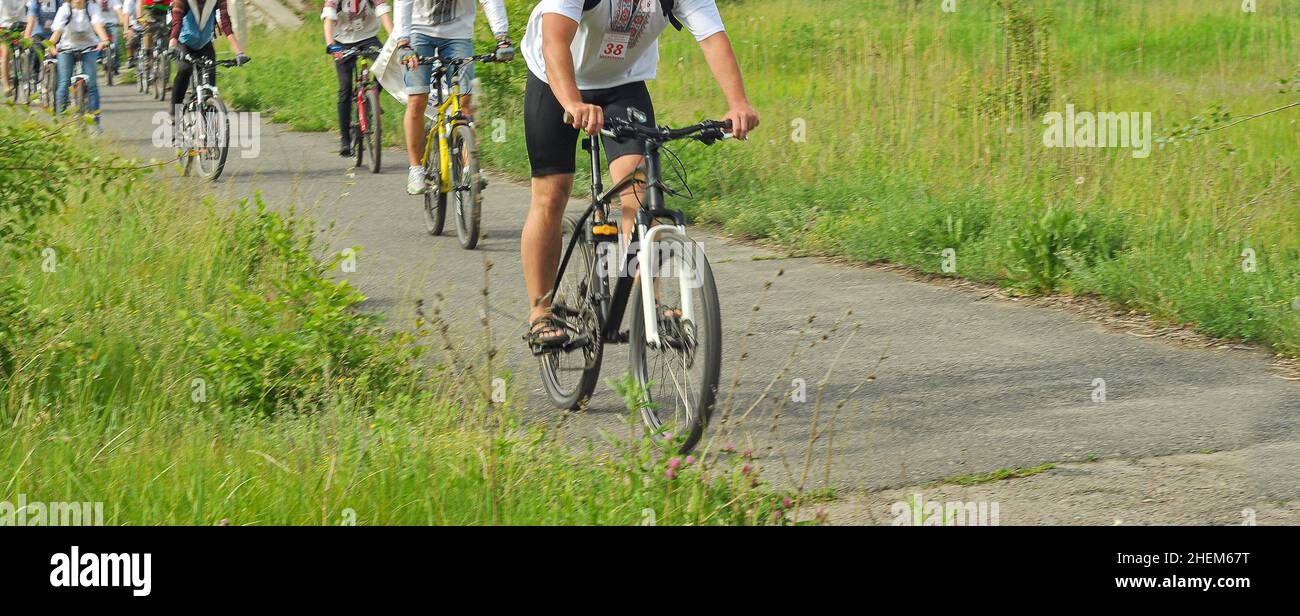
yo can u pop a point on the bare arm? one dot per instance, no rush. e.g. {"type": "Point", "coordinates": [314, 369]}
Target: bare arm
{"type": "Point", "coordinates": [726, 71]}
{"type": "Point", "coordinates": [558, 32]}
{"type": "Point", "coordinates": [103, 35]}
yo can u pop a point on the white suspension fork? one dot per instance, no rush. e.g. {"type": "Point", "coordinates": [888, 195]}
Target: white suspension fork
{"type": "Point", "coordinates": [647, 267]}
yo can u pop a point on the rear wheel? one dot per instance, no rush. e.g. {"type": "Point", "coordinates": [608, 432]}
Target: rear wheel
{"type": "Point", "coordinates": [466, 186]}
{"type": "Point", "coordinates": [678, 377]}
{"type": "Point", "coordinates": [212, 138]}
{"type": "Point", "coordinates": [570, 377]}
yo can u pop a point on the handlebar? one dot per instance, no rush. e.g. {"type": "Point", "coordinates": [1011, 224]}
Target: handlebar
{"type": "Point", "coordinates": [204, 61]}
{"type": "Point", "coordinates": [359, 51]}
{"type": "Point", "coordinates": [620, 129]}
{"type": "Point", "coordinates": [456, 62]}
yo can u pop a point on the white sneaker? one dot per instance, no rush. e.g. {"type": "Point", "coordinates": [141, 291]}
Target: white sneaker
{"type": "Point", "coordinates": [415, 184]}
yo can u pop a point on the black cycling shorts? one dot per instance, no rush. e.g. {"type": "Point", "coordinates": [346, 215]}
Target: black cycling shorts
{"type": "Point", "coordinates": [552, 143]}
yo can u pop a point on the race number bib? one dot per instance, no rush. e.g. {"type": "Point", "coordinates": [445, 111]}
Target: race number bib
{"type": "Point", "coordinates": [615, 45]}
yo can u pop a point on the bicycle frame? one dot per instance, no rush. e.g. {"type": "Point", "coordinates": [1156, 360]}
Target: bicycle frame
{"type": "Point", "coordinates": [645, 234]}
{"type": "Point", "coordinates": [362, 83]}
{"type": "Point", "coordinates": [440, 130]}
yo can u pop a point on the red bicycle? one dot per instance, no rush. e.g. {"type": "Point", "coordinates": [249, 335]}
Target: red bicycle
{"type": "Point", "coordinates": [367, 126]}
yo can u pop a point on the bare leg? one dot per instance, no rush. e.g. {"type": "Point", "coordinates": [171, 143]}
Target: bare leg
{"type": "Point", "coordinates": [414, 125]}
{"type": "Point", "coordinates": [619, 168]}
{"type": "Point", "coordinates": [540, 245]}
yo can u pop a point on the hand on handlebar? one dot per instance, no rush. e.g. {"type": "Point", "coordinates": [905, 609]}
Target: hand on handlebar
{"type": "Point", "coordinates": [242, 59]}
{"type": "Point", "coordinates": [505, 50]}
{"type": "Point", "coordinates": [582, 116]}
{"type": "Point", "coordinates": [743, 119]}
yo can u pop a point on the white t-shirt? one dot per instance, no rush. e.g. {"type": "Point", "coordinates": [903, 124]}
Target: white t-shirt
{"type": "Point", "coordinates": [447, 19]}
{"type": "Point", "coordinates": [355, 20]}
{"type": "Point", "coordinates": [617, 42]}
{"type": "Point", "coordinates": [77, 26]}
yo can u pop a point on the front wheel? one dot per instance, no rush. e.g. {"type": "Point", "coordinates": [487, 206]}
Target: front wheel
{"type": "Point", "coordinates": [50, 83]}
{"type": "Point", "coordinates": [374, 130]}
{"type": "Point", "coordinates": [162, 70]}
{"type": "Point", "coordinates": [677, 378]}
{"type": "Point", "coordinates": [213, 138]}
{"type": "Point", "coordinates": [435, 210]}
{"type": "Point", "coordinates": [466, 183]}
{"type": "Point", "coordinates": [142, 71]}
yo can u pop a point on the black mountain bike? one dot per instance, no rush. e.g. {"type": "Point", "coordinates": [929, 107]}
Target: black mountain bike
{"type": "Point", "coordinates": [675, 335]}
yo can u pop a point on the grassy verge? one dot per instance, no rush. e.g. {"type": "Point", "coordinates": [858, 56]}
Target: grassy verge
{"type": "Point", "coordinates": [195, 364]}
{"type": "Point", "coordinates": [895, 131]}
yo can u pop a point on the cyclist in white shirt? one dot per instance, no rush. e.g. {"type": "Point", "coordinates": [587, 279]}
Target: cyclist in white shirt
{"type": "Point", "coordinates": [78, 25]}
{"type": "Point", "coordinates": [592, 58]}
{"type": "Point", "coordinates": [348, 24]}
{"type": "Point", "coordinates": [115, 23]}
{"type": "Point", "coordinates": [443, 28]}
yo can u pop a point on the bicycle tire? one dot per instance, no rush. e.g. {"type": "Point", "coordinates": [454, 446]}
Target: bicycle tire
{"type": "Point", "coordinates": [16, 74]}
{"type": "Point", "coordinates": [83, 102]}
{"type": "Point", "coordinates": [214, 135]}
{"type": "Point", "coordinates": [375, 123]}
{"type": "Point", "coordinates": [141, 69]}
{"type": "Point", "coordinates": [465, 186]}
{"type": "Point", "coordinates": [161, 74]}
{"type": "Point", "coordinates": [435, 210]}
{"type": "Point", "coordinates": [579, 275]}
{"type": "Point", "coordinates": [357, 139]}
{"type": "Point", "coordinates": [49, 96]}
{"type": "Point", "coordinates": [688, 417]}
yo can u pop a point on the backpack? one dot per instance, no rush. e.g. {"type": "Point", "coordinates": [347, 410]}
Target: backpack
{"type": "Point", "coordinates": [666, 5]}
{"type": "Point", "coordinates": [197, 36]}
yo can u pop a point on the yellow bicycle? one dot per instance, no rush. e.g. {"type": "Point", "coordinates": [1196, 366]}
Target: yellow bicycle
{"type": "Point", "coordinates": [451, 138]}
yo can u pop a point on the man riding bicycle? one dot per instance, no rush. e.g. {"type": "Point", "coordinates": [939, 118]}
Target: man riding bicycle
{"type": "Point", "coordinates": [78, 26]}
{"type": "Point", "coordinates": [592, 58]}
{"type": "Point", "coordinates": [443, 28]}
{"type": "Point", "coordinates": [193, 35]}
{"type": "Point", "coordinates": [151, 15]}
{"type": "Point", "coordinates": [351, 24]}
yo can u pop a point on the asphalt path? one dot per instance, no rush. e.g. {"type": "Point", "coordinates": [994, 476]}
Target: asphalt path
{"type": "Point", "coordinates": [938, 381]}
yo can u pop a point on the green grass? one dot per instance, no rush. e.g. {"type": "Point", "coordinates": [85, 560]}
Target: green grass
{"type": "Point", "coordinates": [998, 475]}
{"type": "Point", "coordinates": [904, 158]}
{"type": "Point", "coordinates": [188, 363]}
